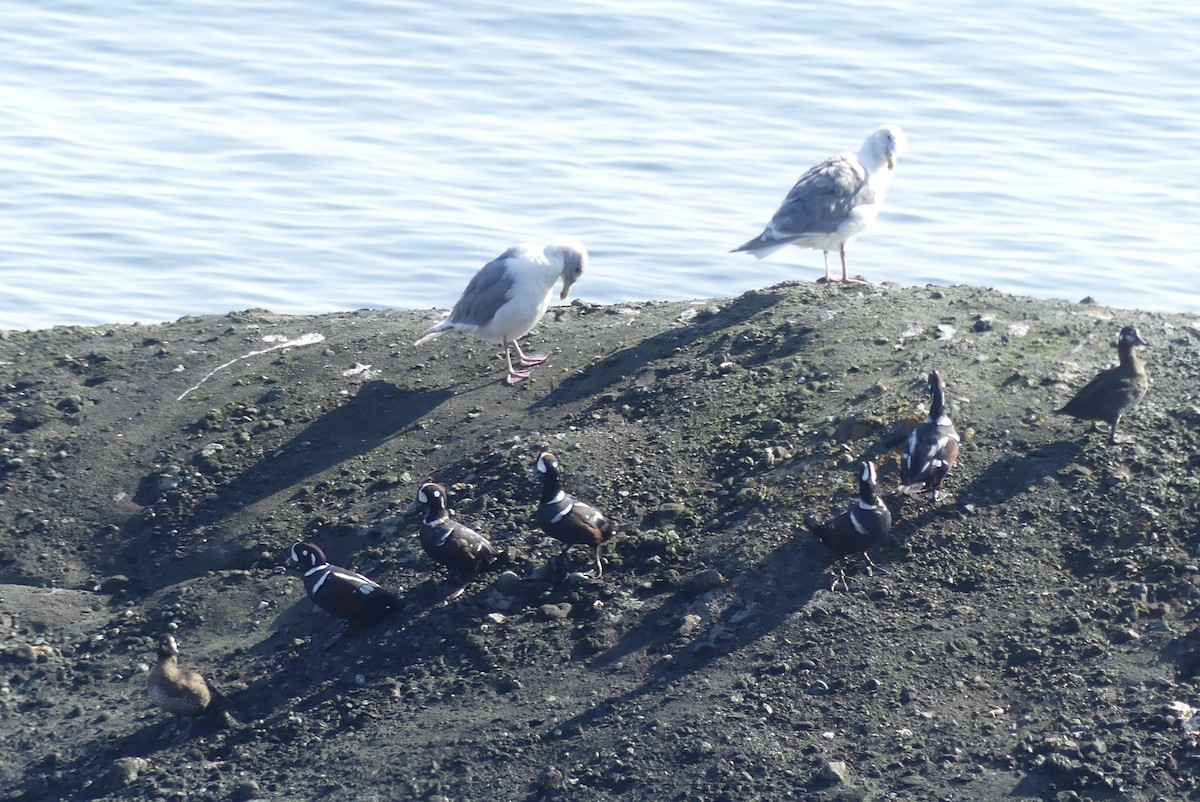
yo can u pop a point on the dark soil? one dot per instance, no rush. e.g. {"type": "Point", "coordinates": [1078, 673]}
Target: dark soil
{"type": "Point", "coordinates": [1027, 641]}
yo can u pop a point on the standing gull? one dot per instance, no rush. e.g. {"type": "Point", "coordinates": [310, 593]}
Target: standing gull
{"type": "Point", "coordinates": [834, 201]}
{"type": "Point", "coordinates": [509, 295]}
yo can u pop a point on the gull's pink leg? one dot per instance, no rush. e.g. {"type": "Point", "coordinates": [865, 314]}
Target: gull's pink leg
{"type": "Point", "coordinates": [845, 273]}
{"type": "Point", "coordinates": [514, 376]}
{"type": "Point", "coordinates": [528, 360]}
{"type": "Point", "coordinates": [828, 277]}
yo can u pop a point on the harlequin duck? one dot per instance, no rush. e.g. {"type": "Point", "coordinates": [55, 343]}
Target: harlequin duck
{"type": "Point", "coordinates": [932, 447]}
{"type": "Point", "coordinates": [340, 591]}
{"type": "Point", "coordinates": [177, 690]}
{"type": "Point", "coordinates": [859, 528]}
{"type": "Point", "coordinates": [457, 546]}
{"type": "Point", "coordinates": [565, 518]}
{"type": "Point", "coordinates": [1114, 391]}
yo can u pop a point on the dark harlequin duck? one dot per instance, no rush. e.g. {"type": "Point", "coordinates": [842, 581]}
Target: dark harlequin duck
{"type": "Point", "coordinates": [340, 591]}
{"type": "Point", "coordinates": [567, 519]}
{"type": "Point", "coordinates": [861, 527]}
{"type": "Point", "coordinates": [457, 546]}
{"type": "Point", "coordinates": [932, 448]}
{"type": "Point", "coordinates": [1114, 391]}
{"type": "Point", "coordinates": [177, 690]}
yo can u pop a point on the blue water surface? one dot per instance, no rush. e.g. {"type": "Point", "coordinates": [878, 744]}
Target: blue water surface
{"type": "Point", "coordinates": [167, 158]}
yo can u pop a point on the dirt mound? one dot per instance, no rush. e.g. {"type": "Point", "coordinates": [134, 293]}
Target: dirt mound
{"type": "Point", "coordinates": [1028, 637]}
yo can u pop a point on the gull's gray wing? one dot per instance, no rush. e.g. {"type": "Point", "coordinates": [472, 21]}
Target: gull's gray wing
{"type": "Point", "coordinates": [486, 292]}
{"type": "Point", "coordinates": [822, 199]}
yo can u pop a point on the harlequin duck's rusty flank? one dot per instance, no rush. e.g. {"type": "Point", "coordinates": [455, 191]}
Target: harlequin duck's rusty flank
{"type": "Point", "coordinates": [457, 546]}
{"type": "Point", "coordinates": [1114, 391]}
{"type": "Point", "coordinates": [340, 591]}
{"type": "Point", "coordinates": [932, 448]}
{"type": "Point", "coordinates": [861, 527]}
{"type": "Point", "coordinates": [564, 518]}
{"type": "Point", "coordinates": [177, 690]}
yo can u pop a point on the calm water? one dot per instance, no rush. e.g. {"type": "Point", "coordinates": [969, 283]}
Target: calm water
{"type": "Point", "coordinates": [169, 157]}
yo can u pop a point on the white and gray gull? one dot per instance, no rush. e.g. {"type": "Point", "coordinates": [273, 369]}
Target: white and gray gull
{"type": "Point", "coordinates": [509, 295]}
{"type": "Point", "coordinates": [834, 201]}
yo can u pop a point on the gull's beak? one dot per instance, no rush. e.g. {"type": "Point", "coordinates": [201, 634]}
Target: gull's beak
{"type": "Point", "coordinates": [891, 161]}
{"type": "Point", "coordinates": [562, 296]}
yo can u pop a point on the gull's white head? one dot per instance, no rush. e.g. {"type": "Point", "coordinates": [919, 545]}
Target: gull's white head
{"type": "Point", "coordinates": [884, 146]}
{"type": "Point", "coordinates": [570, 253]}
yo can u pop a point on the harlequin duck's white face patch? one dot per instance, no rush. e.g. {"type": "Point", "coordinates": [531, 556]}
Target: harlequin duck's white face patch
{"type": "Point", "coordinates": [1129, 336]}
{"type": "Point", "coordinates": [427, 492]}
{"type": "Point", "coordinates": [868, 472]}
{"type": "Point", "coordinates": [546, 462]}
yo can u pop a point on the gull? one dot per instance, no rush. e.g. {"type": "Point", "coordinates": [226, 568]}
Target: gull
{"type": "Point", "coordinates": [509, 295]}
{"type": "Point", "coordinates": [834, 201]}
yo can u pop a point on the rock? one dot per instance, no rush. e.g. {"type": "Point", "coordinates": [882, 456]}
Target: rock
{"type": "Point", "coordinates": [667, 513]}
{"type": "Point", "coordinates": [1123, 635]}
{"type": "Point", "coordinates": [244, 791]}
{"type": "Point", "coordinates": [508, 583]}
{"type": "Point", "coordinates": [688, 625]}
{"type": "Point", "coordinates": [835, 771]}
{"type": "Point", "coordinates": [117, 583]}
{"type": "Point", "coordinates": [556, 612]}
{"type": "Point", "coordinates": [702, 581]}
{"type": "Point", "coordinates": [124, 771]}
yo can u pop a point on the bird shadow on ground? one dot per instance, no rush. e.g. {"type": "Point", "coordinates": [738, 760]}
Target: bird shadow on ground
{"type": "Point", "coordinates": [373, 416]}
{"type": "Point", "coordinates": [749, 617]}
{"type": "Point", "coordinates": [628, 362]}
{"type": "Point", "coordinates": [1014, 474]}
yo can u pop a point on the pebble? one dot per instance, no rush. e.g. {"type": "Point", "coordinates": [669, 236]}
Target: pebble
{"type": "Point", "coordinates": [702, 581]}
{"type": "Point", "coordinates": [835, 771]}
{"type": "Point", "coordinates": [555, 612]}
{"type": "Point", "coordinates": [125, 770]}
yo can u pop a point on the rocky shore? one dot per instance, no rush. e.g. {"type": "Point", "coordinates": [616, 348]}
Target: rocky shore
{"type": "Point", "coordinates": [1033, 636]}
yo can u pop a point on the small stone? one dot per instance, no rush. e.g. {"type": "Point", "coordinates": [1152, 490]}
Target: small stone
{"type": "Point", "coordinates": [667, 513]}
{"type": "Point", "coordinates": [1123, 635]}
{"type": "Point", "coordinates": [702, 581]}
{"type": "Point", "coordinates": [117, 583]}
{"type": "Point", "coordinates": [125, 770]}
{"type": "Point", "coordinates": [508, 583]}
{"type": "Point", "coordinates": [835, 771]}
{"type": "Point", "coordinates": [244, 791]}
{"type": "Point", "coordinates": [555, 612]}
{"type": "Point", "coordinates": [495, 618]}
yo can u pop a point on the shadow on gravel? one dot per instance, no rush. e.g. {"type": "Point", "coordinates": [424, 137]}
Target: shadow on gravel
{"type": "Point", "coordinates": [798, 565]}
{"type": "Point", "coordinates": [627, 362]}
{"type": "Point", "coordinates": [376, 414]}
{"type": "Point", "coordinates": [373, 416]}
{"type": "Point", "coordinates": [1013, 474]}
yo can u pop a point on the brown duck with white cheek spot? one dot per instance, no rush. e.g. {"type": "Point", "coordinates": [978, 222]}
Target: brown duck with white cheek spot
{"type": "Point", "coordinates": [1114, 391]}
{"type": "Point", "coordinates": [178, 690]}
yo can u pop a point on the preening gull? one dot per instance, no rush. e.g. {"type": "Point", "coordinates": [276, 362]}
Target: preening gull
{"type": "Point", "coordinates": [509, 295]}
{"type": "Point", "coordinates": [834, 201]}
